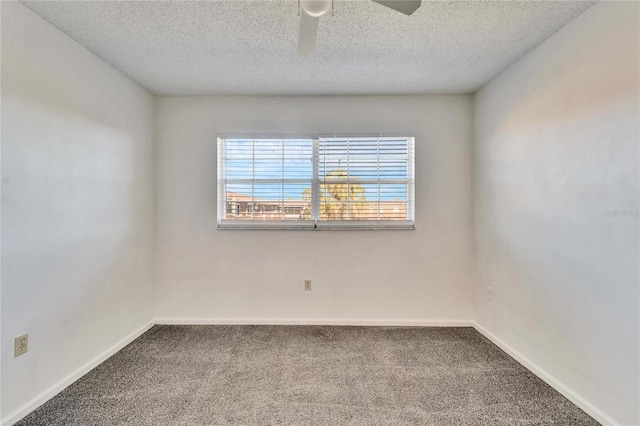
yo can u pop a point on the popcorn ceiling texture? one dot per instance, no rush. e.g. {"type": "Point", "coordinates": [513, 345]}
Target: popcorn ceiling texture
{"type": "Point", "coordinates": [249, 47]}
{"type": "Point", "coordinates": [309, 375]}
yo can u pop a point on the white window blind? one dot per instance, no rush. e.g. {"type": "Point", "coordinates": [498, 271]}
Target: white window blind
{"type": "Point", "coordinates": [316, 183]}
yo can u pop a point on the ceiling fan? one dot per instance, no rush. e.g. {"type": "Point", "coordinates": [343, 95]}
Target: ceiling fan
{"type": "Point", "coordinates": [312, 10]}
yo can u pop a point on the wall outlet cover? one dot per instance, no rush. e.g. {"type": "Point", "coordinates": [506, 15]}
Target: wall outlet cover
{"type": "Point", "coordinates": [21, 345]}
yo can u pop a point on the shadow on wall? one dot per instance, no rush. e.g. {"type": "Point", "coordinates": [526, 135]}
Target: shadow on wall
{"type": "Point", "coordinates": [574, 85]}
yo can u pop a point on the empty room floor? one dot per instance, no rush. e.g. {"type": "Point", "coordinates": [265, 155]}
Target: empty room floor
{"type": "Point", "coordinates": [309, 375]}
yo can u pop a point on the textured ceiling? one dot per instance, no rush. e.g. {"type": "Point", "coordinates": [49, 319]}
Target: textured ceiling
{"type": "Point", "coordinates": [249, 47]}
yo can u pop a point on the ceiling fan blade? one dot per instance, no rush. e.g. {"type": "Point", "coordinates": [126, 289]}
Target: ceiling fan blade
{"type": "Point", "coordinates": [405, 6]}
{"type": "Point", "coordinates": [308, 34]}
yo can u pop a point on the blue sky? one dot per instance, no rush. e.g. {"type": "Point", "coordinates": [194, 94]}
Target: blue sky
{"type": "Point", "coordinates": [268, 160]}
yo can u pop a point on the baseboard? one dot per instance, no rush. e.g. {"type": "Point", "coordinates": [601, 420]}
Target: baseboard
{"type": "Point", "coordinates": [315, 321]}
{"type": "Point", "coordinates": [68, 380]}
{"type": "Point", "coordinates": [572, 396]}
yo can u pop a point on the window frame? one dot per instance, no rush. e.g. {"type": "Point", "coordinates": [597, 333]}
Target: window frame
{"type": "Point", "coordinates": [315, 223]}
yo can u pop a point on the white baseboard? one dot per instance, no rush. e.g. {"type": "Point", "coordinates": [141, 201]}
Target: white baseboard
{"type": "Point", "coordinates": [68, 380]}
{"type": "Point", "coordinates": [315, 321]}
{"type": "Point", "coordinates": [572, 396]}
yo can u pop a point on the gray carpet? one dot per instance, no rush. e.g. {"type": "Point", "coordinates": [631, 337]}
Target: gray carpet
{"type": "Point", "coordinates": [309, 375]}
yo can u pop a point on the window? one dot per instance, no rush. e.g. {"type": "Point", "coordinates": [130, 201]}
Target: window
{"type": "Point", "coordinates": [316, 183]}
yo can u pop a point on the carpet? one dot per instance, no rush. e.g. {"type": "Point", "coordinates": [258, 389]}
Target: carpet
{"type": "Point", "coordinates": [309, 375]}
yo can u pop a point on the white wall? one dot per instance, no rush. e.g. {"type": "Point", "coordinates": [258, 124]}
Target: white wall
{"type": "Point", "coordinates": [556, 146]}
{"type": "Point", "coordinates": [357, 275]}
{"type": "Point", "coordinates": [77, 205]}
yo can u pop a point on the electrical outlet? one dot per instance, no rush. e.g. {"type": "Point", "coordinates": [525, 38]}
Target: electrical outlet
{"type": "Point", "coordinates": [307, 285]}
{"type": "Point", "coordinates": [21, 345]}
{"type": "Point", "coordinates": [490, 294]}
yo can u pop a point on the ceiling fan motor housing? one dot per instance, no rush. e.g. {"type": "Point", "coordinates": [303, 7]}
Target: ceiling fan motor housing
{"type": "Point", "coordinates": [315, 8]}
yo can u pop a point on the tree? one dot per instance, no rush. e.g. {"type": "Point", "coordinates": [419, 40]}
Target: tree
{"type": "Point", "coordinates": [338, 199]}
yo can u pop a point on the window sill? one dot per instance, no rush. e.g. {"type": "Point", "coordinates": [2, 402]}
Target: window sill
{"type": "Point", "coordinates": [324, 226]}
